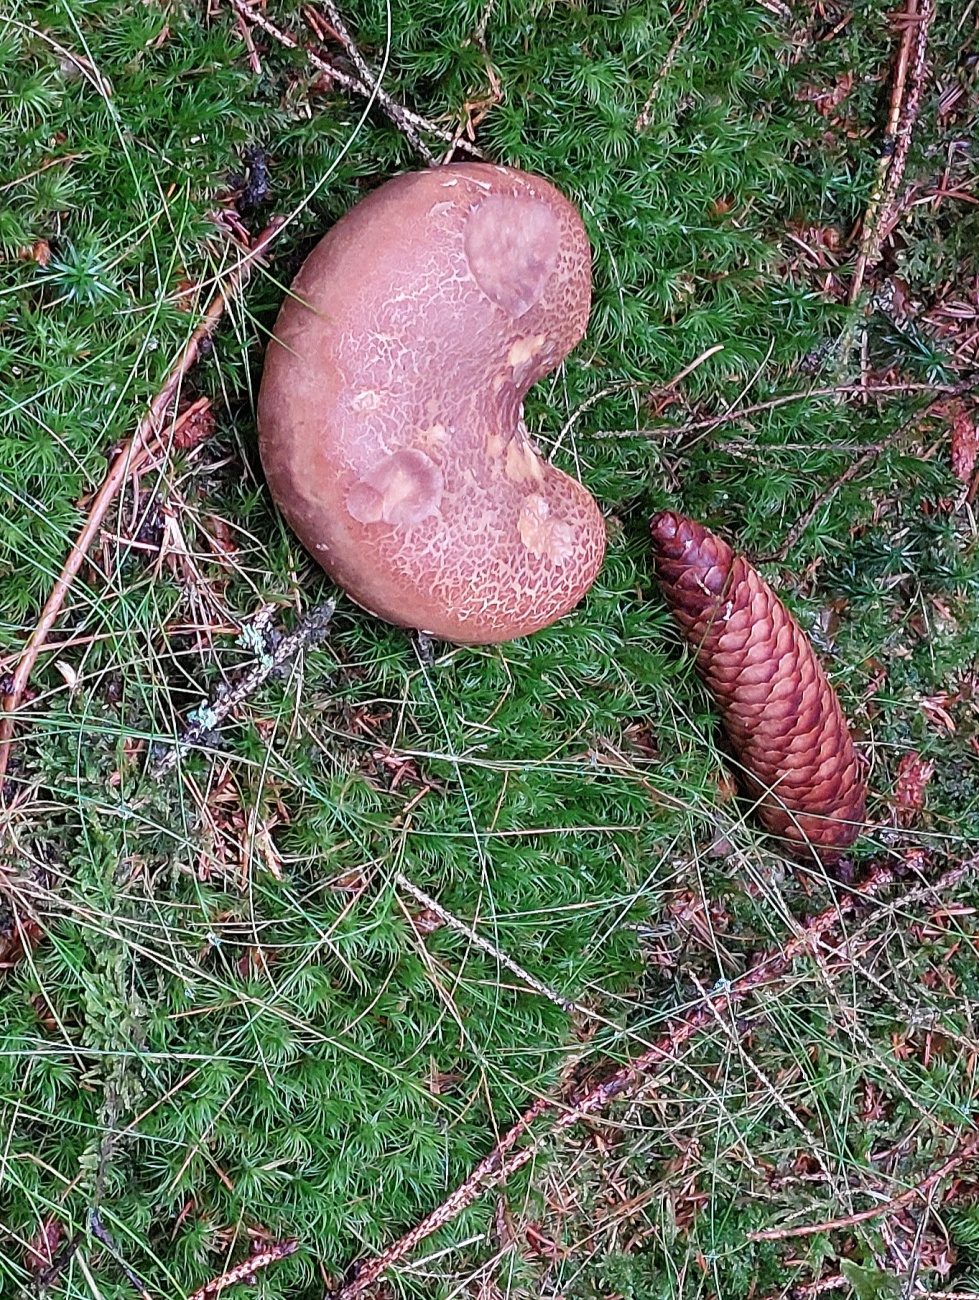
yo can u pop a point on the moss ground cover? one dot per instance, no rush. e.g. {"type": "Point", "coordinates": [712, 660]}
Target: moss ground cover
{"type": "Point", "coordinates": [237, 1026]}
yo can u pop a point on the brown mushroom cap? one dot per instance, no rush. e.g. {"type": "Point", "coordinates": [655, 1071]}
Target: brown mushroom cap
{"type": "Point", "coordinates": [391, 409]}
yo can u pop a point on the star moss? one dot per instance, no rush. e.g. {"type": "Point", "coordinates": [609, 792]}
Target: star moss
{"type": "Point", "coordinates": [237, 1024]}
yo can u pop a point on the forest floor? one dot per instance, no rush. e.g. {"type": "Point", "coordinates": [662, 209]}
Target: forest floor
{"type": "Point", "coordinates": [231, 1018]}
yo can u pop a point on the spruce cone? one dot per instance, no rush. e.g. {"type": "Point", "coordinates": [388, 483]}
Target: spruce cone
{"type": "Point", "coordinates": [782, 719]}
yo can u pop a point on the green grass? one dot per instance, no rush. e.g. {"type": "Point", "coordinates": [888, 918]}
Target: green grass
{"type": "Point", "coordinates": [278, 1051]}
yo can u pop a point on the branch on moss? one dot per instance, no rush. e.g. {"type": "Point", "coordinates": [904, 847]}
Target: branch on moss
{"type": "Point", "coordinates": [246, 1270]}
{"type": "Point", "coordinates": [851, 471]}
{"type": "Point", "coordinates": [920, 1191]}
{"type": "Point", "coordinates": [152, 432]}
{"type": "Point", "coordinates": [909, 78]}
{"type": "Point", "coordinates": [646, 115]}
{"type": "Point", "coordinates": [100, 1233]}
{"type": "Point", "coordinates": [366, 84]}
{"type": "Point", "coordinates": [484, 945]}
{"type": "Point", "coordinates": [708, 423]}
{"type": "Point", "coordinates": [206, 719]}
{"type": "Point", "coordinates": [769, 967]}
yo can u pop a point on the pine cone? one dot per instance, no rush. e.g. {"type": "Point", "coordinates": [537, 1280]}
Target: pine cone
{"type": "Point", "coordinates": [782, 719]}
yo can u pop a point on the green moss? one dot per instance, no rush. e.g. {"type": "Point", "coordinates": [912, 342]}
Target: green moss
{"type": "Point", "coordinates": [231, 983]}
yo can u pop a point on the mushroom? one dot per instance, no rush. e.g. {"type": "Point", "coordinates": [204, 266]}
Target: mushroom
{"type": "Point", "coordinates": [391, 409]}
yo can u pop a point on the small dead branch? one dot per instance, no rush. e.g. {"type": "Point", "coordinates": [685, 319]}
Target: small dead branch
{"type": "Point", "coordinates": [100, 1233]}
{"type": "Point", "coordinates": [464, 1195]}
{"type": "Point", "coordinates": [909, 78]}
{"type": "Point", "coordinates": [246, 1270]}
{"type": "Point", "coordinates": [852, 470]}
{"type": "Point", "coordinates": [645, 117]}
{"type": "Point", "coordinates": [920, 1191]}
{"type": "Point", "coordinates": [410, 124]}
{"type": "Point", "coordinates": [484, 945]}
{"type": "Point", "coordinates": [206, 719]}
{"type": "Point", "coordinates": [151, 432]}
{"type": "Point", "coordinates": [726, 994]}
{"type": "Point", "coordinates": [254, 62]}
{"type": "Point", "coordinates": [711, 422]}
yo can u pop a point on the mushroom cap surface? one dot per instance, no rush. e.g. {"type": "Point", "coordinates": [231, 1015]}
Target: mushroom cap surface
{"type": "Point", "coordinates": [391, 408]}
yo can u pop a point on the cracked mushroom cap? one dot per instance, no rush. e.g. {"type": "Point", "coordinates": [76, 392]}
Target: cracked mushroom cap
{"type": "Point", "coordinates": [391, 408]}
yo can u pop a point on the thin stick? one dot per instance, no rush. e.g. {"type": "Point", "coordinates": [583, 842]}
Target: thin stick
{"type": "Point", "coordinates": [254, 62]}
{"type": "Point", "coordinates": [464, 1195]}
{"type": "Point", "coordinates": [100, 1232]}
{"type": "Point", "coordinates": [373, 84]}
{"type": "Point", "coordinates": [723, 997]}
{"type": "Point", "coordinates": [209, 716]}
{"type": "Point", "coordinates": [851, 471]}
{"type": "Point", "coordinates": [129, 456]}
{"type": "Point", "coordinates": [62, 160]}
{"type": "Point", "coordinates": [246, 1269]}
{"type": "Point", "coordinates": [964, 1153]}
{"type": "Point", "coordinates": [645, 117]}
{"type": "Point", "coordinates": [390, 106]}
{"type": "Point", "coordinates": [912, 105]}
{"type": "Point", "coordinates": [712, 422]}
{"type": "Point", "coordinates": [484, 945]}
{"type": "Point", "coordinates": [897, 138]}
{"type": "Point", "coordinates": [622, 385]}
{"type": "Point", "coordinates": [408, 123]}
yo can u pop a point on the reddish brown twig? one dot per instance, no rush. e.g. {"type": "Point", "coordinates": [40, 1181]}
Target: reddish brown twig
{"type": "Point", "coordinates": [916, 77]}
{"type": "Point", "coordinates": [919, 1191]}
{"type": "Point", "coordinates": [254, 62]}
{"type": "Point", "coordinates": [772, 965]}
{"type": "Point", "coordinates": [909, 78]}
{"type": "Point", "coordinates": [464, 1195]}
{"type": "Point", "coordinates": [130, 456]}
{"type": "Point", "coordinates": [246, 1269]}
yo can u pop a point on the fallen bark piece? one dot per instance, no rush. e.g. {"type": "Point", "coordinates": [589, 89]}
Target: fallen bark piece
{"type": "Point", "coordinates": [782, 719]}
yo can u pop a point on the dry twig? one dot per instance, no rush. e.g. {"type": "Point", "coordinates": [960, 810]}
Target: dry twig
{"type": "Point", "coordinates": [246, 1269]}
{"type": "Point", "coordinates": [851, 471]}
{"type": "Point", "coordinates": [909, 78]}
{"type": "Point", "coordinates": [837, 390]}
{"type": "Point", "coordinates": [484, 945]}
{"type": "Point", "coordinates": [100, 1233]}
{"type": "Point", "coordinates": [710, 422]}
{"type": "Point", "coordinates": [646, 116]}
{"type": "Point", "coordinates": [409, 123]}
{"type": "Point", "coordinates": [150, 432]}
{"type": "Point", "coordinates": [920, 1191]}
{"type": "Point", "coordinates": [771, 966]}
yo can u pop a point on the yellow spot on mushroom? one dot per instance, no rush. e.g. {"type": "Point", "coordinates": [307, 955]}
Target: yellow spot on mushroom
{"type": "Point", "coordinates": [523, 465]}
{"type": "Point", "coordinates": [545, 537]}
{"type": "Point", "coordinates": [496, 444]}
{"type": "Point", "coordinates": [524, 350]}
{"type": "Point", "coordinates": [432, 439]}
{"type": "Point", "coordinates": [368, 399]}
